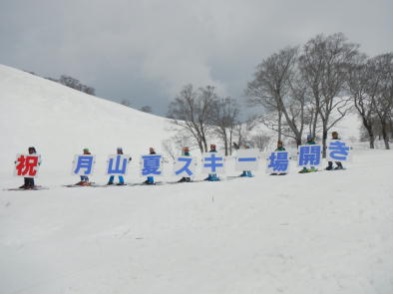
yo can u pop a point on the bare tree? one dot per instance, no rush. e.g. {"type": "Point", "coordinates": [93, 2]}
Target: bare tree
{"type": "Point", "coordinates": [324, 65]}
{"type": "Point", "coordinates": [224, 121]}
{"type": "Point", "coordinates": [242, 131]}
{"type": "Point", "coordinates": [192, 110]}
{"type": "Point", "coordinates": [260, 141]}
{"type": "Point", "coordinates": [269, 85]}
{"type": "Point", "coordinates": [295, 110]}
{"type": "Point", "coordinates": [363, 87]}
{"type": "Point", "coordinates": [146, 109]}
{"type": "Point", "coordinates": [278, 88]}
{"type": "Point", "coordinates": [383, 102]}
{"type": "Point", "coordinates": [172, 146]}
{"type": "Point", "coordinates": [75, 84]}
{"type": "Point", "coordinates": [126, 103]}
{"type": "Point", "coordinates": [69, 82]}
{"type": "Point", "coordinates": [87, 89]}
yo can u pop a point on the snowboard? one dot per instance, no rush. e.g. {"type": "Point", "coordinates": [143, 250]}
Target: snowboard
{"type": "Point", "coordinates": [308, 170]}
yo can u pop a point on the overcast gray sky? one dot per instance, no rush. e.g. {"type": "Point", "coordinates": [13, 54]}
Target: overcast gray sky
{"type": "Point", "coordinates": [145, 51]}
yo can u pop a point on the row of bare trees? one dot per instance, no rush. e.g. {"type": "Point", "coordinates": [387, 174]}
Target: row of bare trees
{"type": "Point", "coordinates": [70, 82]}
{"type": "Point", "coordinates": [370, 84]}
{"type": "Point", "coordinates": [310, 89]}
{"type": "Point", "coordinates": [303, 90]}
{"type": "Point", "coordinates": [202, 113]}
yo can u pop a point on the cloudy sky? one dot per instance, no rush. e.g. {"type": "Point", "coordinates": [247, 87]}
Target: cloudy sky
{"type": "Point", "coordinates": [146, 51]}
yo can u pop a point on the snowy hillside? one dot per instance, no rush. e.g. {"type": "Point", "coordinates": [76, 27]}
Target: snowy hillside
{"type": "Point", "coordinates": [325, 232]}
{"type": "Point", "coordinates": [60, 122]}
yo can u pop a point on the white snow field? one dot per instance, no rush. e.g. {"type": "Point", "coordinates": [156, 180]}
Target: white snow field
{"type": "Point", "coordinates": [325, 232]}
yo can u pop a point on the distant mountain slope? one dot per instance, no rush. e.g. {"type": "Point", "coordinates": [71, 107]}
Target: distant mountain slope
{"type": "Point", "coordinates": [59, 120]}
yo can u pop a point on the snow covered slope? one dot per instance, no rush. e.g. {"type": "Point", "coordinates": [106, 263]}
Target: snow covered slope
{"type": "Point", "coordinates": [60, 122]}
{"type": "Point", "coordinates": [326, 232]}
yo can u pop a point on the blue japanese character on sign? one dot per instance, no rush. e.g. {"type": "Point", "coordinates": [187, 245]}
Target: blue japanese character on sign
{"type": "Point", "coordinates": [213, 163]}
{"type": "Point", "coordinates": [309, 155]}
{"type": "Point", "coordinates": [247, 160]}
{"type": "Point", "coordinates": [278, 162]}
{"type": "Point", "coordinates": [338, 151]}
{"type": "Point", "coordinates": [184, 166]}
{"type": "Point", "coordinates": [85, 163]}
{"type": "Point", "coordinates": [117, 164]}
{"type": "Point", "coordinates": [151, 165]}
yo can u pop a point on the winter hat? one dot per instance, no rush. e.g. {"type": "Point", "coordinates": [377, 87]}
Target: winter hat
{"type": "Point", "coordinates": [309, 137]}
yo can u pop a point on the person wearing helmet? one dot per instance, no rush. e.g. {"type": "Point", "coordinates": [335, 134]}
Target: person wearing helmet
{"type": "Point", "coordinates": [334, 136]}
{"type": "Point", "coordinates": [119, 151]}
{"type": "Point", "coordinates": [185, 153]}
{"type": "Point", "coordinates": [212, 176]}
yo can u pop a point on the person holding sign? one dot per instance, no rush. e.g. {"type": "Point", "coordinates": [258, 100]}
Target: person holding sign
{"type": "Point", "coordinates": [309, 155]}
{"type": "Point", "coordinates": [247, 173]}
{"type": "Point", "coordinates": [117, 166]}
{"type": "Point", "coordinates": [185, 153]}
{"type": "Point", "coordinates": [27, 165]}
{"type": "Point", "coordinates": [213, 163]}
{"type": "Point", "coordinates": [151, 165]}
{"type": "Point", "coordinates": [278, 161]}
{"type": "Point", "coordinates": [337, 151]}
{"type": "Point", "coordinates": [84, 162]}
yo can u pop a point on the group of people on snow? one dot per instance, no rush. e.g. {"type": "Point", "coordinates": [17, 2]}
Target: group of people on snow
{"type": "Point", "coordinates": [84, 180]}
